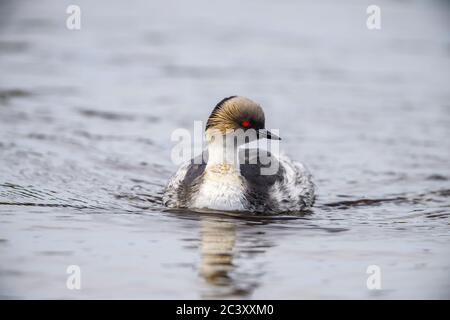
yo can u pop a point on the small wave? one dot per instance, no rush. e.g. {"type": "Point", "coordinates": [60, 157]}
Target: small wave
{"type": "Point", "coordinates": [8, 94]}
{"type": "Point", "coordinates": [413, 199]}
{"type": "Point", "coordinates": [115, 116]}
{"type": "Point", "coordinates": [36, 204]}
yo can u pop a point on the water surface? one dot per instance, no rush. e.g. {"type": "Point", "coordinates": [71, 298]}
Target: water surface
{"type": "Point", "coordinates": [85, 124]}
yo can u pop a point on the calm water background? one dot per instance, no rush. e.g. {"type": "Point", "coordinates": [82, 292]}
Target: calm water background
{"type": "Point", "coordinates": [85, 124]}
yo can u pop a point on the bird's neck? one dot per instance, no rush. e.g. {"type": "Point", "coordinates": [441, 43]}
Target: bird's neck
{"type": "Point", "coordinates": [222, 154]}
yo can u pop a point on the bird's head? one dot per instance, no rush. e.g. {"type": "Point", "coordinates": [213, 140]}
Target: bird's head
{"type": "Point", "coordinates": [238, 113]}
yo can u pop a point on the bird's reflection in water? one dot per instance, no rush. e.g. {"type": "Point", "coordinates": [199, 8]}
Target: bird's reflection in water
{"type": "Point", "coordinates": [227, 249]}
{"type": "Point", "coordinates": [217, 243]}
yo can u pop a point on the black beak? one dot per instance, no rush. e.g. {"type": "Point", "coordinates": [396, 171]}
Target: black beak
{"type": "Point", "coordinates": [263, 133]}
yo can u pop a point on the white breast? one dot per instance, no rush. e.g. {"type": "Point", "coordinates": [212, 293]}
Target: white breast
{"type": "Point", "coordinates": [222, 188]}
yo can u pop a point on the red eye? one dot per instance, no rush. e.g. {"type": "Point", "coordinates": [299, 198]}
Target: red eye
{"type": "Point", "coordinates": [246, 123]}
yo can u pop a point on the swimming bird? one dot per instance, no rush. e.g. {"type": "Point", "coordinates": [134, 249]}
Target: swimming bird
{"type": "Point", "coordinates": [227, 177]}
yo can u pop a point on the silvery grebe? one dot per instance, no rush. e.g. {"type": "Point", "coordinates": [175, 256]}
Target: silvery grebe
{"type": "Point", "coordinates": [228, 178]}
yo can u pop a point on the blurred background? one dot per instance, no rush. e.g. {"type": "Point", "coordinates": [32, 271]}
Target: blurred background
{"type": "Point", "coordinates": [85, 123]}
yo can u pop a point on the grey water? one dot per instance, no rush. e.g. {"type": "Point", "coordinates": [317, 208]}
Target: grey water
{"type": "Point", "coordinates": [86, 118]}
